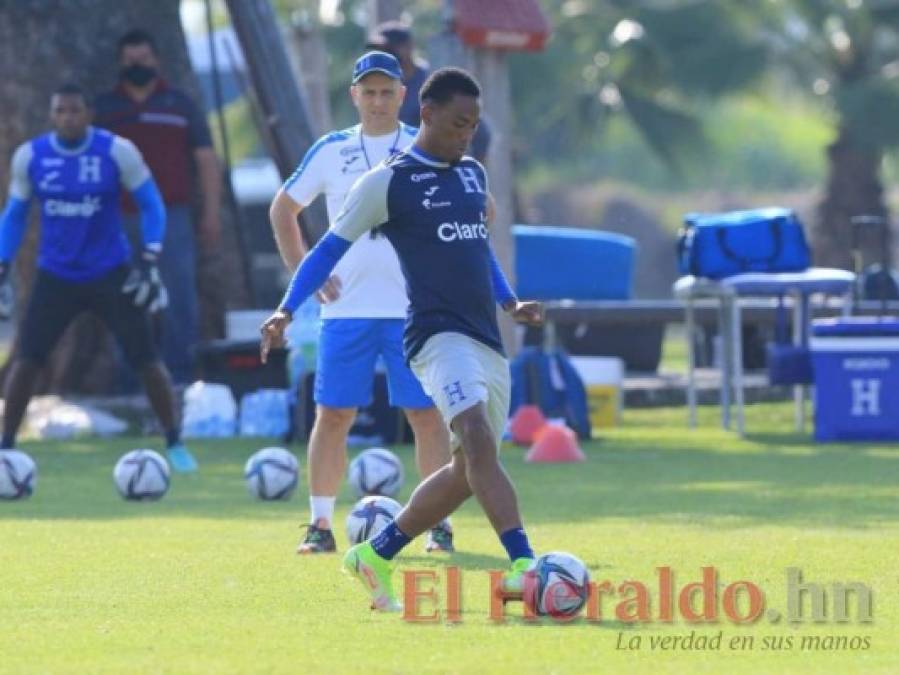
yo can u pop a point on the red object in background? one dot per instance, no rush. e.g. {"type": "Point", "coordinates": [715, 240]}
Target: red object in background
{"type": "Point", "coordinates": [525, 424]}
{"type": "Point", "coordinates": [252, 360]}
{"type": "Point", "coordinates": [555, 443]}
{"type": "Point", "coordinates": [513, 25]}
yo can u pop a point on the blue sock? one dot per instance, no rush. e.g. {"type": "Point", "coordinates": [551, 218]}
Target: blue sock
{"type": "Point", "coordinates": [390, 541]}
{"type": "Point", "coordinates": [516, 544]}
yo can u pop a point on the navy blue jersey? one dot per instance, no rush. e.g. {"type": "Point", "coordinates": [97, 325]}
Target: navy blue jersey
{"type": "Point", "coordinates": [435, 216]}
{"type": "Point", "coordinates": [79, 191]}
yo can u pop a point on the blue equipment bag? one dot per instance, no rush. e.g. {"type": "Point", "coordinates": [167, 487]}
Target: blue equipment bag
{"type": "Point", "coordinates": [718, 245]}
{"type": "Point", "coordinates": [788, 363]}
{"type": "Point", "coordinates": [550, 382]}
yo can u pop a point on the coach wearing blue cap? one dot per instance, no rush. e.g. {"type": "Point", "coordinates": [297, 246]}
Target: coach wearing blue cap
{"type": "Point", "coordinates": [377, 62]}
{"type": "Point", "coordinates": [364, 301]}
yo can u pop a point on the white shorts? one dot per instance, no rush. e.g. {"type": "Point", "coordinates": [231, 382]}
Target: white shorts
{"type": "Point", "coordinates": [457, 372]}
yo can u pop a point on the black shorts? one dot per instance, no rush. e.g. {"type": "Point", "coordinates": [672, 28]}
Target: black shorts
{"type": "Point", "coordinates": [55, 301]}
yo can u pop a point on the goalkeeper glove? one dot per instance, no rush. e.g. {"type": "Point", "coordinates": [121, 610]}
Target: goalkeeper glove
{"type": "Point", "coordinates": [146, 285]}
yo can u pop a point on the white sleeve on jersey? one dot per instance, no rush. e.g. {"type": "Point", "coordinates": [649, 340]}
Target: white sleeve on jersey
{"type": "Point", "coordinates": [19, 182]}
{"type": "Point", "coordinates": [132, 168]}
{"type": "Point", "coordinates": [365, 206]}
{"type": "Point", "coordinates": [308, 181]}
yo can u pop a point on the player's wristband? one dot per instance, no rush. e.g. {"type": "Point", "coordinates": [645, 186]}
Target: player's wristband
{"type": "Point", "coordinates": [509, 305]}
{"type": "Point", "coordinates": [150, 257]}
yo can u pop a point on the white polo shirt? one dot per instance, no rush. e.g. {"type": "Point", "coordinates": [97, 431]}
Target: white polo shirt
{"type": "Point", "coordinates": [372, 283]}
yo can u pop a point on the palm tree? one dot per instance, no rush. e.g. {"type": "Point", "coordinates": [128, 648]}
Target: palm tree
{"type": "Point", "coordinates": [845, 52]}
{"type": "Point", "coordinates": [654, 62]}
{"type": "Point", "coordinates": [662, 59]}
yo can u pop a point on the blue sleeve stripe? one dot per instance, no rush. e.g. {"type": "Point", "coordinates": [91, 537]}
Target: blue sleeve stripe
{"type": "Point", "coordinates": [152, 213]}
{"type": "Point", "coordinates": [314, 270]}
{"type": "Point", "coordinates": [13, 222]}
{"type": "Point", "coordinates": [501, 289]}
{"type": "Point", "coordinates": [312, 152]}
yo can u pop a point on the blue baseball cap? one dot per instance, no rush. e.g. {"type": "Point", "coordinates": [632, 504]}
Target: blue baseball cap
{"type": "Point", "coordinates": [377, 62]}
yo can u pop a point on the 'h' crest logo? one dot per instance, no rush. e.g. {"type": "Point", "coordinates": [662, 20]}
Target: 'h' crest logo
{"type": "Point", "coordinates": [89, 169]}
{"type": "Point", "coordinates": [469, 178]}
{"type": "Point", "coordinates": [865, 397]}
{"type": "Point", "coordinates": [454, 392]}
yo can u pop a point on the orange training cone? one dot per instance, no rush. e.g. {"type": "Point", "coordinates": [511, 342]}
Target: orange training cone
{"type": "Point", "coordinates": [525, 424]}
{"type": "Point", "coordinates": [555, 443]}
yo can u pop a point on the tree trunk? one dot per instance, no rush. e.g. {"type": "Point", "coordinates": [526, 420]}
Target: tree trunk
{"type": "Point", "coordinates": [853, 188]}
{"type": "Point", "coordinates": [44, 43]}
{"type": "Point", "coordinates": [308, 55]}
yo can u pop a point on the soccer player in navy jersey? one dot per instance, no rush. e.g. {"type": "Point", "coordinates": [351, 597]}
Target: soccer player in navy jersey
{"type": "Point", "coordinates": [363, 303]}
{"type": "Point", "coordinates": [76, 173]}
{"type": "Point", "coordinates": [433, 205]}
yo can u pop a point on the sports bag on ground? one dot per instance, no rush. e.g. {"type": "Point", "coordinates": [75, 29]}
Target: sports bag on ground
{"type": "Point", "coordinates": [551, 382]}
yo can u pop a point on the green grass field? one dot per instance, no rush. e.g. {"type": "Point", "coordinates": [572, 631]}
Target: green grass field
{"type": "Point", "coordinates": [206, 581]}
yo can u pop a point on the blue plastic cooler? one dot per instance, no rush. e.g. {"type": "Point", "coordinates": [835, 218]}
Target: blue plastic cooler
{"type": "Point", "coordinates": [554, 263]}
{"type": "Point", "coordinates": [856, 364]}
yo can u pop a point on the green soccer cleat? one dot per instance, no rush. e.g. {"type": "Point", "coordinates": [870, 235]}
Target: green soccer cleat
{"type": "Point", "coordinates": [514, 579]}
{"type": "Point", "coordinates": [374, 572]}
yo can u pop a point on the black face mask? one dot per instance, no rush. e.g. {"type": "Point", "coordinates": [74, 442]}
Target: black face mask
{"type": "Point", "coordinates": [137, 74]}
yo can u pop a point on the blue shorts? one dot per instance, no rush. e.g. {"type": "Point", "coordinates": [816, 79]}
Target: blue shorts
{"type": "Point", "coordinates": [348, 351]}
